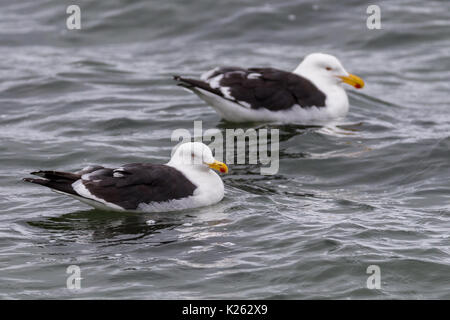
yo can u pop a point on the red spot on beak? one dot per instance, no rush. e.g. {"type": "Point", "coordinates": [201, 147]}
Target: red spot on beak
{"type": "Point", "coordinates": [222, 170]}
{"type": "Point", "coordinates": [358, 86]}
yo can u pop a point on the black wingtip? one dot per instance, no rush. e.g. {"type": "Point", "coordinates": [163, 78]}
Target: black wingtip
{"type": "Point", "coordinates": [39, 173]}
{"type": "Point", "coordinates": [183, 82]}
{"type": "Point", "coordinates": [31, 180]}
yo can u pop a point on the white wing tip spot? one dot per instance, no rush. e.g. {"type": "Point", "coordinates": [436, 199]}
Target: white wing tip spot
{"type": "Point", "coordinates": [118, 175]}
{"type": "Point", "coordinates": [253, 75]}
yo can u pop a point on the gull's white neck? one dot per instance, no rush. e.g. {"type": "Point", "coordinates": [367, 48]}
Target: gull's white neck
{"type": "Point", "coordinates": [336, 97]}
{"type": "Point", "coordinates": [210, 187]}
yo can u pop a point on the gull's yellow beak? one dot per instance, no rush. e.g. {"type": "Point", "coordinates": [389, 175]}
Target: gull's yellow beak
{"type": "Point", "coordinates": [353, 80]}
{"type": "Point", "coordinates": [219, 166]}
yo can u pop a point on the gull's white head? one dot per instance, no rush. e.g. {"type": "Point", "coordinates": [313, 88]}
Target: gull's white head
{"type": "Point", "coordinates": [198, 156]}
{"type": "Point", "coordinates": [326, 70]}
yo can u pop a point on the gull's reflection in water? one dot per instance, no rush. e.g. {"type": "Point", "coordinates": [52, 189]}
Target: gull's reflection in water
{"type": "Point", "coordinates": [112, 228]}
{"type": "Point", "coordinates": [287, 131]}
{"type": "Point", "coordinates": [340, 129]}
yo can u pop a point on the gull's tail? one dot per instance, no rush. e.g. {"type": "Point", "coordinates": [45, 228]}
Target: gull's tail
{"type": "Point", "coordinates": [56, 180]}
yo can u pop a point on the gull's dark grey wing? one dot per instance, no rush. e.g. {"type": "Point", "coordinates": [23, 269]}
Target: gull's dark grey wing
{"type": "Point", "coordinates": [258, 88]}
{"type": "Point", "coordinates": [126, 187]}
{"type": "Point", "coordinates": [133, 184]}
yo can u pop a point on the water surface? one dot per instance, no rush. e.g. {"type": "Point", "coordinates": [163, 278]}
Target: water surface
{"type": "Point", "coordinates": [373, 190]}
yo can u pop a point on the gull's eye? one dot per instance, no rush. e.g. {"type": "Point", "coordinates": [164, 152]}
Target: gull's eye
{"type": "Point", "coordinates": [329, 68]}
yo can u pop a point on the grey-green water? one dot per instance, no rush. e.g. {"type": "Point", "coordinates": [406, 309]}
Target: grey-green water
{"type": "Point", "coordinates": [376, 191]}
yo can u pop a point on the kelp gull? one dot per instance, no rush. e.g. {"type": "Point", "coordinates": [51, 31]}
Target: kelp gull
{"type": "Point", "coordinates": [186, 181]}
{"type": "Point", "coordinates": [312, 92]}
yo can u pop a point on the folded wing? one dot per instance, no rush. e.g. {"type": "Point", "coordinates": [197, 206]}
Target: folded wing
{"type": "Point", "coordinates": [126, 187]}
{"type": "Point", "coordinates": [258, 88]}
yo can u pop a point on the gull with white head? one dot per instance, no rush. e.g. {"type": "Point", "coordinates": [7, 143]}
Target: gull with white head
{"type": "Point", "coordinates": [312, 92]}
{"type": "Point", "coordinates": [186, 181]}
